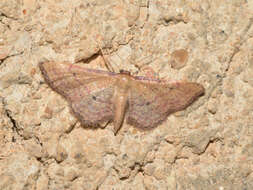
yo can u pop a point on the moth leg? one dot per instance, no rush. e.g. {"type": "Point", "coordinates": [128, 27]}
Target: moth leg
{"type": "Point", "coordinates": [107, 63]}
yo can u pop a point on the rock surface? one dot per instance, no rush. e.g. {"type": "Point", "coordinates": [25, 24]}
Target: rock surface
{"type": "Point", "coordinates": [207, 146]}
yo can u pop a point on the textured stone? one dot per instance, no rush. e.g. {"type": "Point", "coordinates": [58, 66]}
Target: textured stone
{"type": "Point", "coordinates": [10, 9]}
{"type": "Point", "coordinates": [19, 171]}
{"type": "Point", "coordinates": [34, 148]}
{"type": "Point", "coordinates": [199, 140]}
{"type": "Point", "coordinates": [179, 58]}
{"type": "Point", "coordinates": [42, 182]}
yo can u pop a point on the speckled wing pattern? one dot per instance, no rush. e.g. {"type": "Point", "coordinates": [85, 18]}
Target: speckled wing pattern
{"type": "Point", "coordinates": [151, 102]}
{"type": "Point", "coordinates": [88, 91]}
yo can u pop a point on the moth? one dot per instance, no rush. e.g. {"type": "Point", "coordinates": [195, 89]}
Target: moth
{"type": "Point", "coordinates": [97, 96]}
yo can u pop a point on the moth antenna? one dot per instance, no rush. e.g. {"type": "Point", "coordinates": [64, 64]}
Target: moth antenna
{"type": "Point", "coordinates": [129, 61]}
{"type": "Point", "coordinates": [107, 63]}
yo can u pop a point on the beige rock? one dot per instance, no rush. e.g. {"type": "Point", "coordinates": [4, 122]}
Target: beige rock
{"type": "Point", "coordinates": [7, 182]}
{"type": "Point", "coordinates": [18, 171]}
{"type": "Point", "coordinates": [42, 182]}
{"type": "Point", "coordinates": [60, 153]}
{"type": "Point", "coordinates": [10, 9]}
{"type": "Point", "coordinates": [179, 58]}
{"type": "Point", "coordinates": [199, 140]}
{"type": "Point", "coordinates": [33, 148]}
{"type": "Point", "coordinates": [4, 53]}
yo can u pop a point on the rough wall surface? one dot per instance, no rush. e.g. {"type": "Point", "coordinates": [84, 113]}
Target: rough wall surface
{"type": "Point", "coordinates": [207, 146]}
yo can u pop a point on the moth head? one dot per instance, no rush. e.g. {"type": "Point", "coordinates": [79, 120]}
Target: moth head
{"type": "Point", "coordinates": [125, 72]}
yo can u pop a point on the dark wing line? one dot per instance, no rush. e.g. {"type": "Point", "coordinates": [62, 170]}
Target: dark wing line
{"type": "Point", "coordinates": [147, 79]}
{"type": "Point", "coordinates": [149, 88]}
{"type": "Point", "coordinates": [80, 77]}
{"type": "Point", "coordinates": [83, 82]}
{"type": "Point", "coordinates": [73, 74]}
{"type": "Point", "coordinates": [77, 111]}
{"type": "Point", "coordinates": [88, 71]}
{"type": "Point", "coordinates": [151, 92]}
{"type": "Point", "coordinates": [82, 69]}
{"type": "Point", "coordinates": [51, 82]}
{"type": "Point", "coordinates": [152, 84]}
{"type": "Point", "coordinates": [95, 71]}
